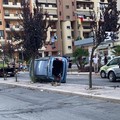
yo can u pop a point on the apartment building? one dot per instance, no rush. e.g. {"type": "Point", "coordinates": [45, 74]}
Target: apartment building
{"type": "Point", "coordinates": [105, 47]}
{"type": "Point", "coordinates": [10, 17]}
{"type": "Point", "coordinates": [66, 16]}
{"type": "Point", "coordinates": [70, 22]}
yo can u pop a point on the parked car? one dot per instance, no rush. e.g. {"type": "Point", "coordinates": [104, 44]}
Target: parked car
{"type": "Point", "coordinates": [112, 63]}
{"type": "Point", "coordinates": [6, 69]}
{"type": "Point", "coordinates": [44, 69]}
{"type": "Point", "coordinates": [113, 73]}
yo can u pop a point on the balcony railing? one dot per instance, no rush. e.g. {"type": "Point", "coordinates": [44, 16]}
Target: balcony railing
{"type": "Point", "coordinates": [12, 16]}
{"type": "Point", "coordinates": [11, 5]}
{"type": "Point", "coordinates": [15, 28]}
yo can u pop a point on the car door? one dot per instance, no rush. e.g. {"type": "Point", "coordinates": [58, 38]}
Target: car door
{"type": "Point", "coordinates": [117, 68]}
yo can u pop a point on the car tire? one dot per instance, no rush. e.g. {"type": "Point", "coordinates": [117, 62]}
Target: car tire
{"type": "Point", "coordinates": [112, 77]}
{"type": "Point", "coordinates": [103, 74]}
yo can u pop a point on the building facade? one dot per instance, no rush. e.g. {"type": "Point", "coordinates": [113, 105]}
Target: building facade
{"type": "Point", "coordinates": [10, 19]}
{"type": "Point", "coordinates": [105, 47]}
{"type": "Point", "coordinates": [66, 15]}
{"type": "Point", "coordinates": [70, 22]}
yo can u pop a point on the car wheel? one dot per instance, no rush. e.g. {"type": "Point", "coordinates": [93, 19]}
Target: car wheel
{"type": "Point", "coordinates": [103, 74]}
{"type": "Point", "coordinates": [112, 77]}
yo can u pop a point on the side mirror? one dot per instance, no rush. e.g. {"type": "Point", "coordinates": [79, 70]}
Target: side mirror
{"type": "Point", "coordinates": [107, 64]}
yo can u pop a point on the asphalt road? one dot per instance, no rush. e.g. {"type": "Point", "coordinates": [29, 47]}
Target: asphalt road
{"type": "Point", "coordinates": [77, 79]}
{"type": "Point", "coordinates": [26, 104]}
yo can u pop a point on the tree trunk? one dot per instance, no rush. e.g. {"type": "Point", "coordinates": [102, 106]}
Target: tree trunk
{"type": "Point", "coordinates": [90, 72]}
{"type": "Point", "coordinates": [33, 79]}
{"type": "Point", "coordinates": [91, 59]}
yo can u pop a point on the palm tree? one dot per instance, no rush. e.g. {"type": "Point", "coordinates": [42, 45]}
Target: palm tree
{"type": "Point", "coordinates": [78, 55]}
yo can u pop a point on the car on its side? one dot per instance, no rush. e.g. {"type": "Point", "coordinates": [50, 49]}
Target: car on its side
{"type": "Point", "coordinates": [46, 68]}
{"type": "Point", "coordinates": [113, 63]}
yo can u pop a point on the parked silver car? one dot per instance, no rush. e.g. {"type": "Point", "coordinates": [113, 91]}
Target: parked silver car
{"type": "Point", "coordinates": [112, 63]}
{"type": "Point", "coordinates": [113, 72]}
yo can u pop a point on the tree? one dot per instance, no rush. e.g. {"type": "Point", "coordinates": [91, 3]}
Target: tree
{"type": "Point", "coordinates": [78, 55]}
{"type": "Point", "coordinates": [116, 50]}
{"type": "Point", "coordinates": [99, 28]}
{"type": "Point", "coordinates": [9, 50]}
{"type": "Point", "coordinates": [35, 26]}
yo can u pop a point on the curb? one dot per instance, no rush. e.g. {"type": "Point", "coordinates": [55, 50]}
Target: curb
{"type": "Point", "coordinates": [81, 73]}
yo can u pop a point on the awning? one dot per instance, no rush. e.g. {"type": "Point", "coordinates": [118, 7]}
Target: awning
{"type": "Point", "coordinates": [86, 13]}
{"type": "Point", "coordinates": [84, 42]}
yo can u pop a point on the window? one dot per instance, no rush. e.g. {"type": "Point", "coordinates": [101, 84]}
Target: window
{"type": "Point", "coordinates": [69, 47]}
{"type": "Point", "coordinates": [113, 62]}
{"type": "Point", "coordinates": [60, 13]}
{"type": "Point", "coordinates": [7, 25]}
{"type": "Point", "coordinates": [1, 33]}
{"type": "Point", "coordinates": [69, 37]}
{"type": "Point", "coordinates": [46, 5]}
{"type": "Point", "coordinates": [5, 1]}
{"type": "Point", "coordinates": [67, 6]}
{"type": "Point", "coordinates": [67, 17]}
{"type": "Point", "coordinates": [0, 22]}
{"type": "Point", "coordinates": [73, 13]}
{"type": "Point", "coordinates": [72, 3]}
{"type": "Point", "coordinates": [6, 13]}
{"type": "Point", "coordinates": [68, 27]}
{"type": "Point", "coordinates": [15, 2]}
{"type": "Point", "coordinates": [54, 5]}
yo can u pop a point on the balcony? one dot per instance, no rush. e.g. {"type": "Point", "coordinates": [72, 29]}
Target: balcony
{"type": "Point", "coordinates": [11, 5]}
{"type": "Point", "coordinates": [53, 17]}
{"type": "Point", "coordinates": [87, 19]}
{"type": "Point", "coordinates": [14, 28]}
{"type": "Point", "coordinates": [12, 16]}
{"type": "Point", "coordinates": [48, 1]}
{"type": "Point", "coordinates": [83, 9]}
{"type": "Point", "coordinates": [86, 29]}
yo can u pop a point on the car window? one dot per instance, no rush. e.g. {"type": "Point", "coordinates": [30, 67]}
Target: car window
{"type": "Point", "coordinates": [108, 58]}
{"type": "Point", "coordinates": [113, 62]}
{"type": "Point", "coordinates": [118, 61]}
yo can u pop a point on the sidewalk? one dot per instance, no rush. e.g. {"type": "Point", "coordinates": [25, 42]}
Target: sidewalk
{"type": "Point", "coordinates": [109, 93]}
